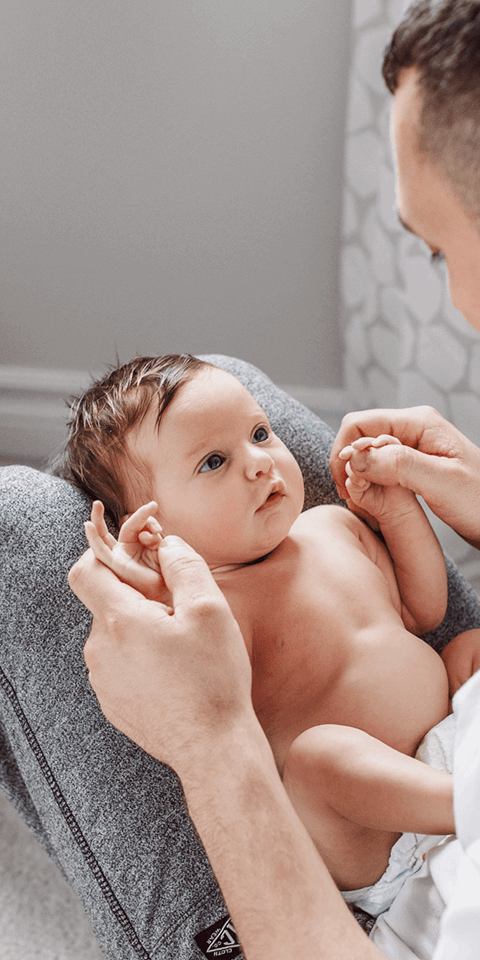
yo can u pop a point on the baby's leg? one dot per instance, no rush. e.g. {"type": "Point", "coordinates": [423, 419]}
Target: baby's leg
{"type": "Point", "coordinates": [356, 795]}
{"type": "Point", "coordinates": [323, 786]}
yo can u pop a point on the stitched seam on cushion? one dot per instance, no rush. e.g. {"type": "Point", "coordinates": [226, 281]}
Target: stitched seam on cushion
{"type": "Point", "coordinates": [89, 857]}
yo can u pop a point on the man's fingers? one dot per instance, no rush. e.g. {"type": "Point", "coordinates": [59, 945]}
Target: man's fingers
{"type": "Point", "coordinates": [186, 574]}
{"type": "Point", "coordinates": [364, 442]}
{"type": "Point", "coordinates": [393, 464]}
{"type": "Point", "coordinates": [417, 427]}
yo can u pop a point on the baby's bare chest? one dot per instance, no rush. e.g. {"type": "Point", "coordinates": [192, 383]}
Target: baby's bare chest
{"type": "Point", "coordinates": [325, 586]}
{"type": "Point", "coordinates": [328, 646]}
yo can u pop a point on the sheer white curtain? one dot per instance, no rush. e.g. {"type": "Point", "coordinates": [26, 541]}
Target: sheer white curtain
{"type": "Point", "coordinates": [404, 342]}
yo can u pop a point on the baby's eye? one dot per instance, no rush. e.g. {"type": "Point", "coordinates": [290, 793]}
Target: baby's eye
{"type": "Point", "coordinates": [213, 462]}
{"type": "Point", "coordinates": [261, 434]}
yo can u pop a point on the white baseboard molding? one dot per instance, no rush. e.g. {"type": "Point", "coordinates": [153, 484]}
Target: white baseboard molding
{"type": "Point", "coordinates": [33, 412]}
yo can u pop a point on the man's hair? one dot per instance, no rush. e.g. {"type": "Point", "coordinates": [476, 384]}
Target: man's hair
{"type": "Point", "coordinates": [95, 457]}
{"type": "Point", "coordinates": [441, 38]}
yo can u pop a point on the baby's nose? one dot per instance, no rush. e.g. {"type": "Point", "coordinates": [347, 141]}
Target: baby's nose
{"type": "Point", "coordinates": [259, 463]}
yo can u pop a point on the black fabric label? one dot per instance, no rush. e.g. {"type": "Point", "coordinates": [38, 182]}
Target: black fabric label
{"type": "Point", "coordinates": [219, 940]}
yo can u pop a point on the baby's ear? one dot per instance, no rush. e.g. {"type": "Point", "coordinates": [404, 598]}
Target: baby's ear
{"type": "Point", "coordinates": [124, 519]}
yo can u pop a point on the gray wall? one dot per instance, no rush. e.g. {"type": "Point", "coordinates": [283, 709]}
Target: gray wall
{"type": "Point", "coordinates": [170, 179]}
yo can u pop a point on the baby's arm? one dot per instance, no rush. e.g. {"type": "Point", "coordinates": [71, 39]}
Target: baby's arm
{"type": "Point", "coordinates": [416, 554]}
{"type": "Point", "coordinates": [133, 558]}
{"type": "Point", "coordinates": [355, 793]}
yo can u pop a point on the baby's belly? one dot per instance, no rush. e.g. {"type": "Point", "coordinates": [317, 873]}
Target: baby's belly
{"type": "Point", "coordinates": [395, 686]}
{"type": "Point", "coordinates": [390, 684]}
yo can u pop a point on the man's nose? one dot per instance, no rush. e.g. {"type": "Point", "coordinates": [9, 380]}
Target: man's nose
{"type": "Point", "coordinates": [259, 462]}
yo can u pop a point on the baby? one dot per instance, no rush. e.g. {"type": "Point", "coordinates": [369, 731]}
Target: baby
{"type": "Point", "coordinates": [343, 687]}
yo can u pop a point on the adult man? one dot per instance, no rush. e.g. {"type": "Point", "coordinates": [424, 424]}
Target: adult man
{"type": "Point", "coordinates": [281, 898]}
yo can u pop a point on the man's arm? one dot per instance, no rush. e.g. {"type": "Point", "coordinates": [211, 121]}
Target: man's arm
{"type": "Point", "coordinates": [179, 685]}
{"type": "Point", "coordinates": [436, 461]}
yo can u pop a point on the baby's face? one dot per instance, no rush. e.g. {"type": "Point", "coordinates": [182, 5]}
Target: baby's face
{"type": "Point", "coordinates": [224, 482]}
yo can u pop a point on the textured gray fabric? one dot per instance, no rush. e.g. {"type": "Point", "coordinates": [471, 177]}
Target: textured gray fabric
{"type": "Point", "coordinates": [112, 818]}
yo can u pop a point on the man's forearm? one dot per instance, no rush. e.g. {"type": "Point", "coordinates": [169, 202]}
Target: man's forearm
{"type": "Point", "coordinates": [280, 895]}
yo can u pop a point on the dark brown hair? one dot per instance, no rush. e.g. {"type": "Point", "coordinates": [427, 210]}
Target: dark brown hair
{"type": "Point", "coordinates": [95, 453]}
{"type": "Point", "coordinates": [441, 38]}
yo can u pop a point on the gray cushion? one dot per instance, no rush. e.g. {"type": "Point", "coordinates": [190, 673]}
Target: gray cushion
{"type": "Point", "coordinates": [112, 818]}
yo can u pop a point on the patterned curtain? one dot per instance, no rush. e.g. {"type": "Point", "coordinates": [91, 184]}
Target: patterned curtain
{"type": "Point", "coordinates": [405, 344]}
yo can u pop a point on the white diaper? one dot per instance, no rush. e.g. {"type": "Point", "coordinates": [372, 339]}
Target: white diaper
{"type": "Point", "coordinates": [406, 858]}
{"type": "Point", "coordinates": [408, 853]}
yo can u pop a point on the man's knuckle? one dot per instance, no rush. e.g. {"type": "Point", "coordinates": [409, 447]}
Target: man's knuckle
{"type": "Point", "coordinates": [404, 459]}
{"type": "Point", "coordinates": [186, 563]}
{"type": "Point", "coordinates": [206, 606]}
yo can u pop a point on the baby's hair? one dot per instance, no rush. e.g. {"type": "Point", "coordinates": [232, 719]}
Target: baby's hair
{"type": "Point", "coordinates": [94, 455]}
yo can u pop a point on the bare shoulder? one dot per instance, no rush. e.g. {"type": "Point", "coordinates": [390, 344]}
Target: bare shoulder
{"type": "Point", "coordinates": [330, 515]}
{"type": "Point", "coordinates": [342, 524]}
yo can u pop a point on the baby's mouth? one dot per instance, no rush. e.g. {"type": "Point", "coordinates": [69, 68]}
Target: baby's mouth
{"type": "Point", "coordinates": [274, 496]}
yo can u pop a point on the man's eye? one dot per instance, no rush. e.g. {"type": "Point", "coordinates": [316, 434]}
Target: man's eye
{"type": "Point", "coordinates": [212, 463]}
{"type": "Point", "coordinates": [261, 434]}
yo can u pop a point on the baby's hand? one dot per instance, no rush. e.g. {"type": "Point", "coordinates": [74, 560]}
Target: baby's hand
{"type": "Point", "coordinates": [134, 557]}
{"type": "Point", "coordinates": [373, 499]}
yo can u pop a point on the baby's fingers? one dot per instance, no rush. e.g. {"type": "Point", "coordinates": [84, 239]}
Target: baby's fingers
{"type": "Point", "coordinates": [98, 545]}
{"type": "Point", "coordinates": [97, 517]}
{"type": "Point", "coordinates": [150, 538]}
{"type": "Point", "coordinates": [353, 479]}
{"type": "Point", "coordinates": [139, 521]}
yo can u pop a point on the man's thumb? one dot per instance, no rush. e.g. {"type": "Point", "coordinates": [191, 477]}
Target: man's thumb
{"type": "Point", "coordinates": [185, 572]}
{"type": "Point", "coordinates": [395, 464]}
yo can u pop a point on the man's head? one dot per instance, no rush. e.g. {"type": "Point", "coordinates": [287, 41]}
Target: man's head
{"type": "Point", "coordinates": [441, 39]}
{"type": "Point", "coordinates": [222, 479]}
{"type": "Point", "coordinates": [432, 66]}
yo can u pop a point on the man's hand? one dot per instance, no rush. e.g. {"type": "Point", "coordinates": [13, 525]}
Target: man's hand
{"type": "Point", "coordinates": [462, 659]}
{"type": "Point", "coordinates": [435, 461]}
{"type": "Point", "coordinates": [170, 680]}
{"type": "Point", "coordinates": [382, 502]}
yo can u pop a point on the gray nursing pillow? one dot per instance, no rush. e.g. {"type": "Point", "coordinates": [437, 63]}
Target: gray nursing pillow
{"type": "Point", "coordinates": [74, 778]}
